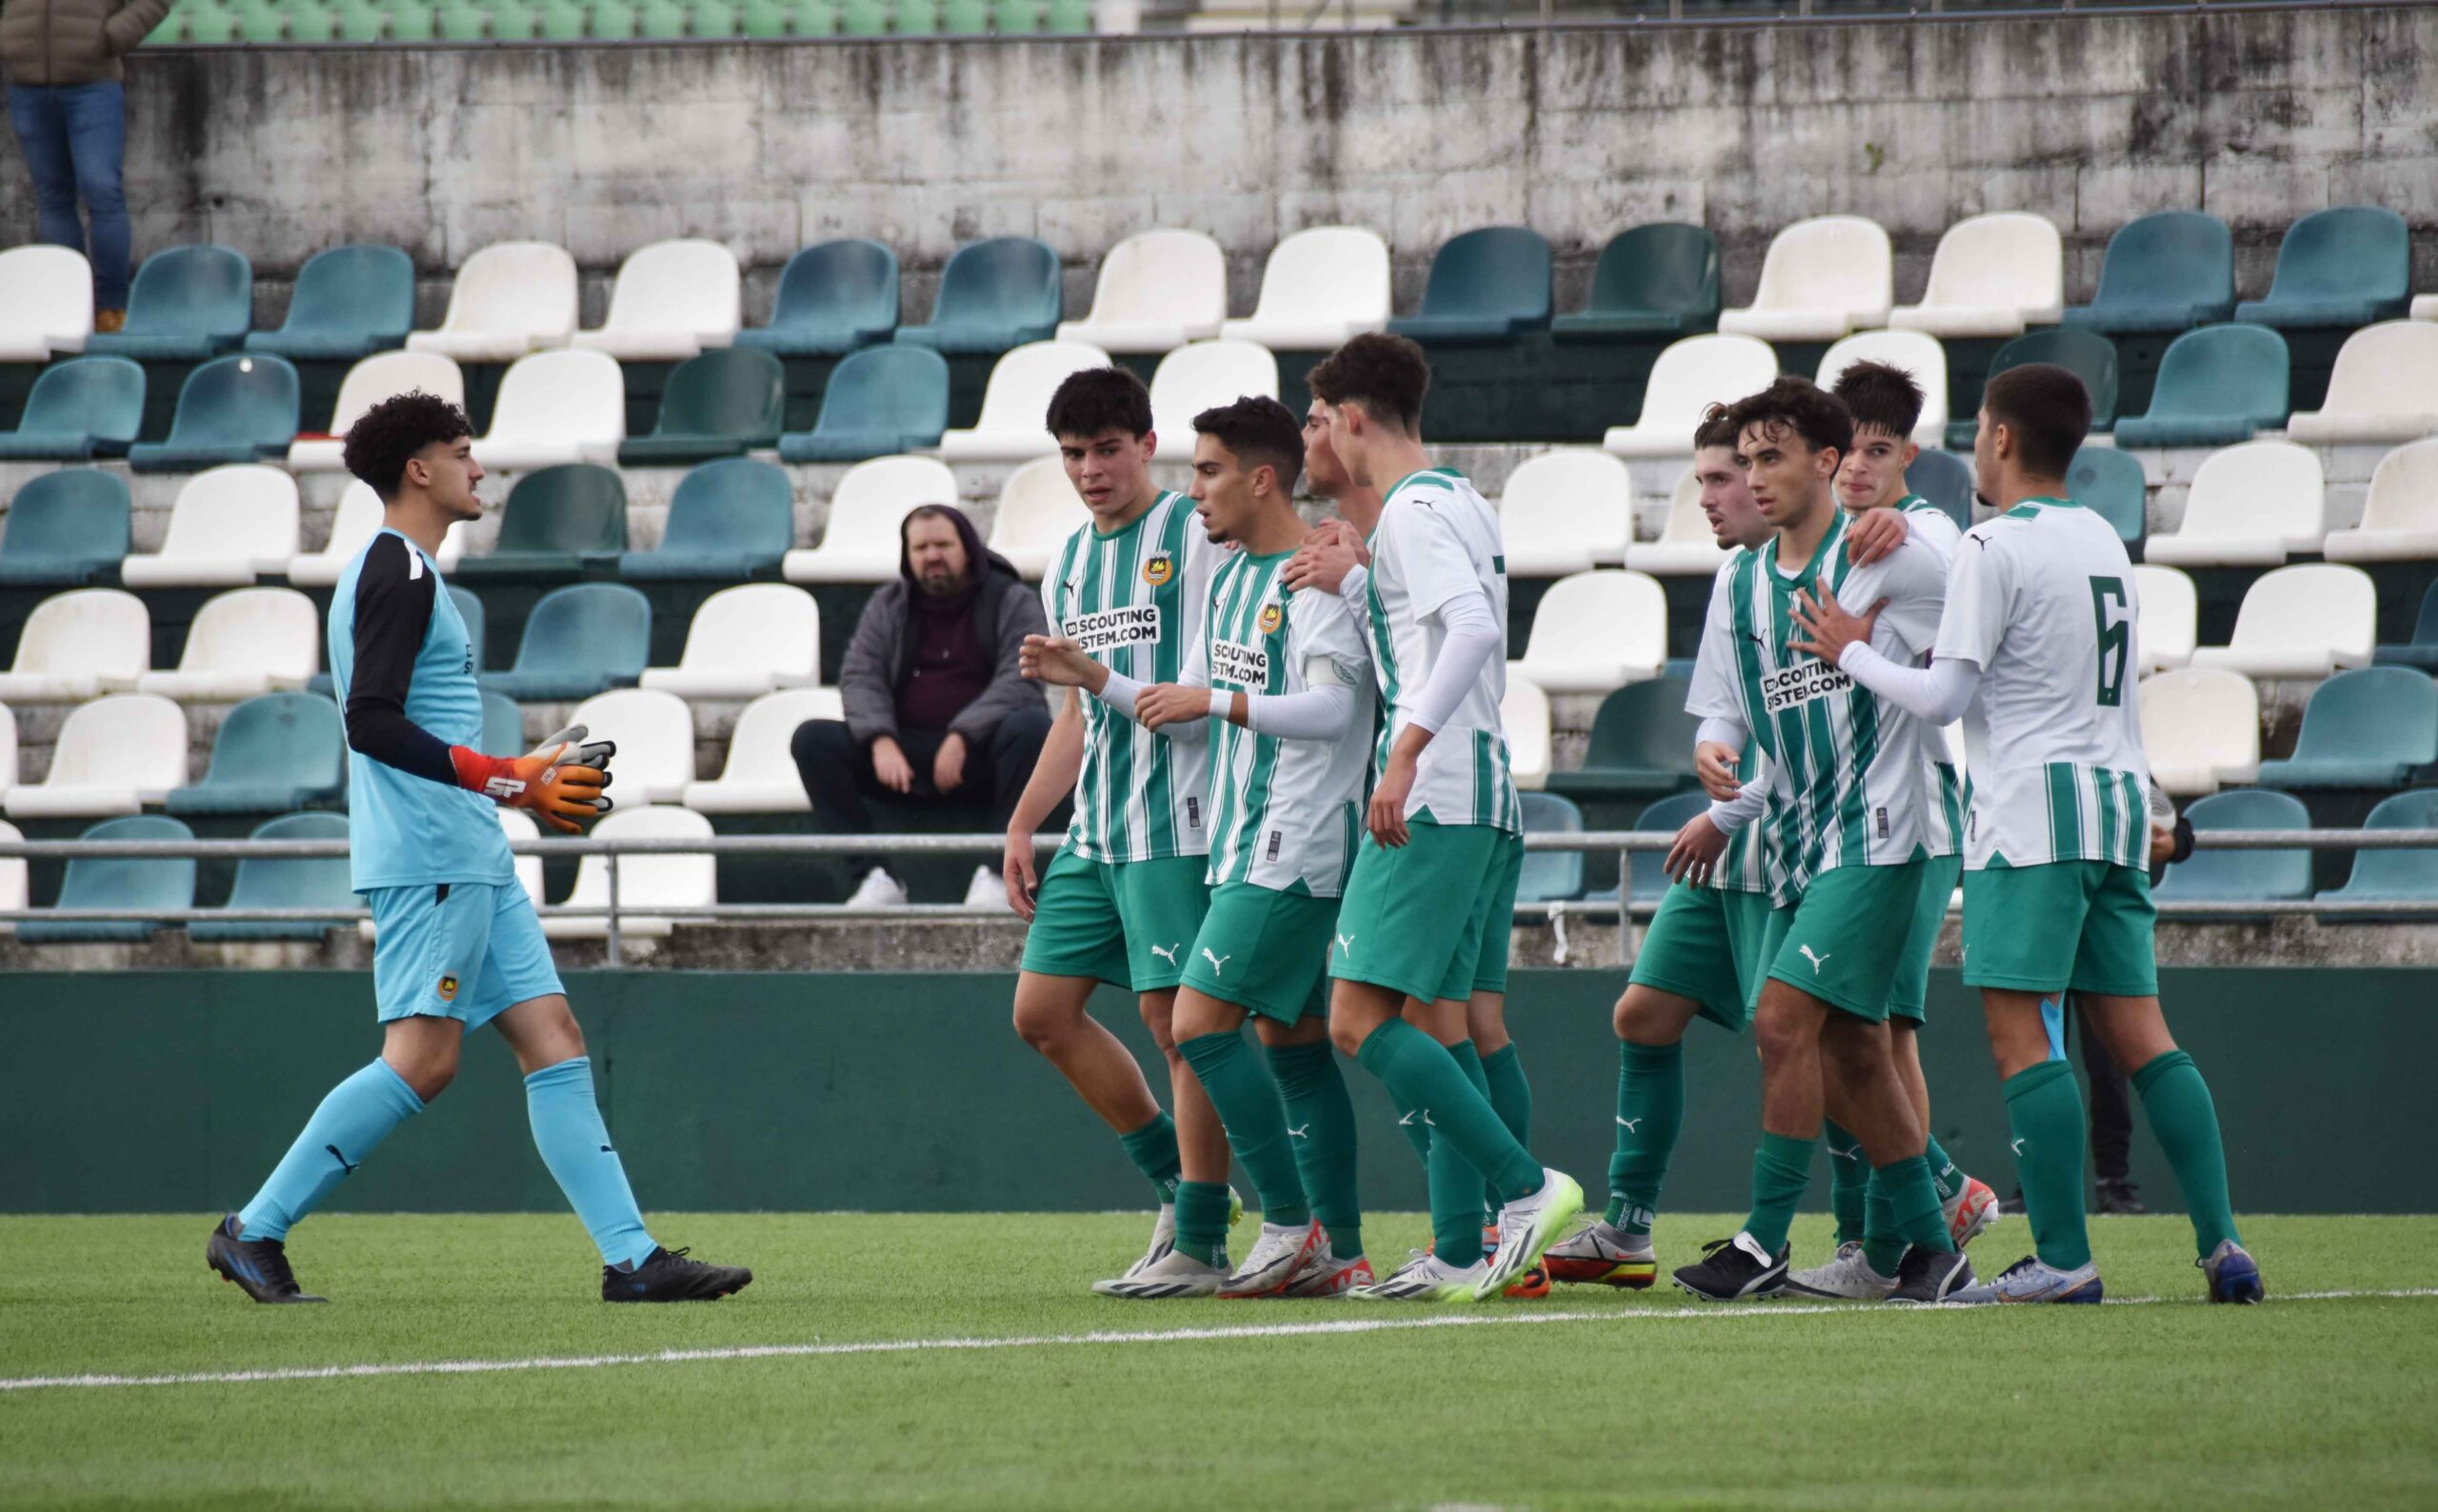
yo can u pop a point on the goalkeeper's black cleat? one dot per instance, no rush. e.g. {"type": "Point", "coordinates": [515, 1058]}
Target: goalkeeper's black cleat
{"type": "Point", "coordinates": [668, 1275]}
{"type": "Point", "coordinates": [259, 1265]}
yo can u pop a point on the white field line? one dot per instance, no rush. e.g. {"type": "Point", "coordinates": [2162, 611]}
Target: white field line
{"type": "Point", "coordinates": [1150, 1336]}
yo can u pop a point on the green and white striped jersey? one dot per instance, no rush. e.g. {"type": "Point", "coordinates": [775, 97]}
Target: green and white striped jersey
{"type": "Point", "coordinates": [1744, 866]}
{"type": "Point", "coordinates": [1133, 599]}
{"type": "Point", "coordinates": [1437, 539]}
{"type": "Point", "coordinates": [1284, 813]}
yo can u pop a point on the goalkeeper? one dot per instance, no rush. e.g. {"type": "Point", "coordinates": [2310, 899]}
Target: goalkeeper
{"type": "Point", "coordinates": [457, 944]}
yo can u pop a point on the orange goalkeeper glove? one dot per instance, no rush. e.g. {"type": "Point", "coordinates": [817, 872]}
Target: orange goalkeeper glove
{"type": "Point", "coordinates": [561, 779]}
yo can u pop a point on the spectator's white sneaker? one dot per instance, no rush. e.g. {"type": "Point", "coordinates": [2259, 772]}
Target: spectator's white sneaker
{"type": "Point", "coordinates": [878, 890]}
{"type": "Point", "coordinates": [987, 890]}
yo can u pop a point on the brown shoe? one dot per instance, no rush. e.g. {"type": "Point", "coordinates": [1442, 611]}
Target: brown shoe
{"type": "Point", "coordinates": [109, 321]}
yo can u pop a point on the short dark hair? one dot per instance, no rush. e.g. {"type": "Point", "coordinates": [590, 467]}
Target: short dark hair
{"type": "Point", "coordinates": [2048, 410]}
{"type": "Point", "coordinates": [1091, 400]}
{"type": "Point", "coordinates": [1797, 405]}
{"type": "Point", "coordinates": [386, 435]}
{"type": "Point", "coordinates": [1261, 432]}
{"type": "Point", "coordinates": [1880, 396]}
{"type": "Point", "coordinates": [1388, 375]}
{"type": "Point", "coordinates": [931, 511]}
{"type": "Point", "coordinates": [1716, 429]}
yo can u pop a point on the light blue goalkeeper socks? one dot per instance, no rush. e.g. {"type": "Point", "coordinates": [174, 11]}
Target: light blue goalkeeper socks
{"type": "Point", "coordinates": [352, 1120]}
{"type": "Point", "coordinates": [575, 1145]}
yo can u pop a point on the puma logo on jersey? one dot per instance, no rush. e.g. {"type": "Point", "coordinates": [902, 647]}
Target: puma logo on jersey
{"type": "Point", "coordinates": [1218, 964]}
{"type": "Point", "coordinates": [1817, 961]}
{"type": "Point", "coordinates": [1346, 944]}
{"type": "Point", "coordinates": [1629, 1124]}
{"type": "Point", "coordinates": [1167, 954]}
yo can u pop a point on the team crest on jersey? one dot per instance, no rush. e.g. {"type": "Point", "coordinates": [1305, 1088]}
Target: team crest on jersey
{"type": "Point", "coordinates": [448, 989]}
{"type": "Point", "coordinates": [1159, 570]}
{"type": "Point", "coordinates": [1273, 616]}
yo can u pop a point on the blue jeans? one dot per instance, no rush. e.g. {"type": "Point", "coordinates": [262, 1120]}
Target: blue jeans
{"type": "Point", "coordinates": [75, 138]}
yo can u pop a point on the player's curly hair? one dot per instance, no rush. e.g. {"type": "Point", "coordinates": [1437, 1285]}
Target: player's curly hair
{"type": "Point", "coordinates": [1716, 429]}
{"type": "Point", "coordinates": [1094, 401]}
{"type": "Point", "coordinates": [379, 444]}
{"type": "Point", "coordinates": [1261, 432]}
{"type": "Point", "coordinates": [1799, 406]}
{"type": "Point", "coordinates": [1388, 375]}
{"type": "Point", "coordinates": [1880, 396]}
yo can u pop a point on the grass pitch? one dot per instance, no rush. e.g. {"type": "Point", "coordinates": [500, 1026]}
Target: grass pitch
{"type": "Point", "coordinates": [957, 1377]}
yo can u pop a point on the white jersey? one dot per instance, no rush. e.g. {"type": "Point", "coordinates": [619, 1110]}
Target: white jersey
{"type": "Point", "coordinates": [1933, 528]}
{"type": "Point", "coordinates": [1744, 866]}
{"type": "Point", "coordinates": [1438, 539]}
{"type": "Point", "coordinates": [2042, 598]}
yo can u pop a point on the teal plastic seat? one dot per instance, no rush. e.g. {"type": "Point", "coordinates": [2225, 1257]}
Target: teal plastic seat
{"type": "Point", "coordinates": [562, 22]}
{"type": "Point", "coordinates": [2216, 387]}
{"type": "Point", "coordinates": [186, 304]}
{"type": "Point", "coordinates": [767, 20]}
{"type": "Point", "coordinates": [273, 753]}
{"type": "Point", "coordinates": [503, 725]}
{"type": "Point", "coordinates": [308, 21]}
{"type": "Point", "coordinates": [514, 23]}
{"type": "Point", "coordinates": [349, 302]}
{"type": "Point", "coordinates": [65, 530]}
{"type": "Point", "coordinates": [727, 521]}
{"type": "Point", "coordinates": [1488, 285]}
{"type": "Point", "coordinates": [1069, 18]}
{"type": "Point", "coordinates": [1016, 18]}
{"type": "Point", "coordinates": [1946, 480]}
{"type": "Point", "coordinates": [1641, 747]}
{"type": "Point", "coordinates": [994, 295]}
{"type": "Point", "coordinates": [232, 409]}
{"type": "Point", "coordinates": [2383, 875]}
{"type": "Point", "coordinates": [212, 26]}
{"type": "Point", "coordinates": [2350, 266]}
{"type": "Point", "coordinates": [814, 18]}
{"type": "Point", "coordinates": [965, 18]}
{"type": "Point", "coordinates": [581, 640]}
{"type": "Point", "coordinates": [2241, 876]}
{"type": "Point", "coordinates": [557, 518]}
{"type": "Point", "coordinates": [917, 18]}
{"type": "Point", "coordinates": [860, 18]}
{"type": "Point", "coordinates": [2111, 484]}
{"type": "Point", "coordinates": [259, 22]}
{"type": "Point", "coordinates": [833, 299]}
{"type": "Point", "coordinates": [462, 22]}
{"type": "Point", "coordinates": [287, 881]}
{"type": "Point", "coordinates": [1659, 282]}
{"type": "Point", "coordinates": [87, 407]}
{"type": "Point", "coordinates": [359, 21]}
{"type": "Point", "coordinates": [612, 21]}
{"type": "Point", "coordinates": [1551, 876]}
{"type": "Point", "coordinates": [881, 400]}
{"type": "Point", "coordinates": [410, 21]}
{"type": "Point", "coordinates": [116, 882]}
{"type": "Point", "coordinates": [2421, 651]}
{"type": "Point", "coordinates": [658, 21]}
{"type": "Point", "coordinates": [2086, 354]}
{"type": "Point", "coordinates": [717, 403]}
{"type": "Point", "coordinates": [2170, 271]}
{"type": "Point", "coordinates": [1646, 870]}
{"type": "Point", "coordinates": [2373, 726]}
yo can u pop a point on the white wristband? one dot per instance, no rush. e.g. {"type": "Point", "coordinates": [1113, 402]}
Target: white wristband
{"type": "Point", "coordinates": [1221, 701]}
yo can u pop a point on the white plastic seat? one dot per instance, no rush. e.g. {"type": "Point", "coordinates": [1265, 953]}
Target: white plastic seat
{"type": "Point", "coordinates": [655, 735]}
{"type": "Point", "coordinates": [1038, 509]}
{"type": "Point", "coordinates": [80, 645]}
{"type": "Point", "coordinates": [356, 522]}
{"type": "Point", "coordinates": [2170, 610]}
{"type": "Point", "coordinates": [229, 525]}
{"type": "Point", "coordinates": [1157, 290]}
{"type": "Point", "coordinates": [114, 755]}
{"type": "Point", "coordinates": [1687, 545]}
{"type": "Point", "coordinates": [2200, 729]}
{"type": "Point", "coordinates": [2383, 388]}
{"type": "Point", "coordinates": [516, 825]}
{"type": "Point", "coordinates": [1918, 354]}
{"type": "Point", "coordinates": [1009, 428]}
{"type": "Point", "coordinates": [760, 776]}
{"type": "Point", "coordinates": [2249, 506]}
{"type": "Point", "coordinates": [860, 541]}
{"type": "Point", "coordinates": [245, 642]}
{"type": "Point", "coordinates": [14, 894]}
{"type": "Point", "coordinates": [380, 376]}
{"type": "Point", "coordinates": [1202, 376]}
{"type": "Point", "coordinates": [2303, 622]}
{"type": "Point", "coordinates": [556, 406]}
{"type": "Point", "coordinates": [510, 298]}
{"type": "Point", "coordinates": [745, 641]}
{"type": "Point", "coordinates": [2424, 307]}
{"type": "Point", "coordinates": [1319, 288]}
{"type": "Point", "coordinates": [1567, 511]}
{"type": "Point", "coordinates": [1820, 279]}
{"type": "Point", "coordinates": [46, 302]}
{"type": "Point", "coordinates": [8, 750]}
{"type": "Point", "coordinates": [671, 300]}
{"type": "Point", "coordinates": [1524, 714]}
{"type": "Point", "coordinates": [1595, 633]}
{"type": "Point", "coordinates": [1690, 376]}
{"type": "Point", "coordinates": [1992, 276]}
{"type": "Point", "coordinates": [682, 881]}
{"type": "Point", "coordinates": [2400, 515]}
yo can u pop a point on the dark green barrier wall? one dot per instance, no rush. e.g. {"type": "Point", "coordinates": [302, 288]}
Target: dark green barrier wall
{"type": "Point", "coordinates": [176, 1091]}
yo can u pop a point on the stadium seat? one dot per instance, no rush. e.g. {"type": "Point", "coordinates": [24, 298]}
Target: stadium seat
{"type": "Point", "coordinates": [2170, 610]}
{"type": "Point", "coordinates": [1652, 281]}
{"type": "Point", "coordinates": [556, 406]}
{"type": "Point", "coordinates": [860, 543]}
{"type": "Point", "coordinates": [120, 881]}
{"type": "Point", "coordinates": [243, 643]}
{"type": "Point", "coordinates": [2171, 270]}
{"type": "Point", "coordinates": [273, 753]}
{"type": "Point", "coordinates": [354, 524]}
{"type": "Point", "coordinates": [728, 520]}
{"type": "Point", "coordinates": [833, 299]}
{"type": "Point", "coordinates": [1009, 428]}
{"type": "Point", "coordinates": [880, 401]}
{"type": "Point", "coordinates": [377, 377]}
{"type": "Point", "coordinates": [2371, 727]}
{"type": "Point", "coordinates": [85, 407]}
{"type": "Point", "coordinates": [2422, 650]}
{"type": "Point", "coordinates": [1157, 290]}
{"type": "Point", "coordinates": [1524, 714]}
{"type": "Point", "coordinates": [744, 642]}
{"type": "Point", "coordinates": [2304, 622]}
{"type": "Point", "coordinates": [2241, 876]}
{"type": "Point", "coordinates": [2348, 265]}
{"type": "Point", "coordinates": [1319, 287]}
{"type": "Point", "coordinates": [1646, 870]}
{"type": "Point", "coordinates": [672, 299]}
{"type": "Point", "coordinates": [64, 530]}
{"type": "Point", "coordinates": [2217, 385]}
{"type": "Point", "coordinates": [1641, 745]}
{"type": "Point", "coordinates": [78, 646]}
{"type": "Point", "coordinates": [994, 295]}
{"type": "Point", "coordinates": [2399, 515]}
{"type": "Point", "coordinates": [1069, 18]}
{"type": "Point", "coordinates": [46, 302]}
{"type": "Point", "coordinates": [717, 403]}
{"type": "Point", "coordinates": [1992, 276]}
{"type": "Point", "coordinates": [580, 640]}
{"type": "Point", "coordinates": [231, 409]}
{"type": "Point", "coordinates": [1488, 285]}
{"type": "Point", "coordinates": [1690, 376]}
{"type": "Point", "coordinates": [1917, 354]}
{"type": "Point", "coordinates": [1038, 509]}
{"type": "Point", "coordinates": [1595, 631]}
{"type": "Point", "coordinates": [227, 526]}
{"type": "Point", "coordinates": [1944, 479]}
{"type": "Point", "coordinates": [502, 721]}
{"type": "Point", "coordinates": [2111, 484]}
{"type": "Point", "coordinates": [760, 776]}
{"type": "Point", "coordinates": [2200, 729]}
{"type": "Point", "coordinates": [655, 734]}
{"type": "Point", "coordinates": [14, 893]}
{"type": "Point", "coordinates": [1821, 279]}
{"type": "Point", "coordinates": [287, 881]}
{"type": "Point", "coordinates": [1567, 511]}
{"type": "Point", "coordinates": [2384, 389]}
{"type": "Point", "coordinates": [2384, 875]}
{"type": "Point", "coordinates": [2249, 506]}
{"type": "Point", "coordinates": [186, 304]}
{"type": "Point", "coordinates": [517, 826]}
{"type": "Point", "coordinates": [1687, 545]}
{"type": "Point", "coordinates": [1551, 876]}
{"type": "Point", "coordinates": [2086, 354]}
{"type": "Point", "coordinates": [1201, 376]}
{"type": "Point", "coordinates": [349, 302]}
{"type": "Point", "coordinates": [555, 521]}
{"type": "Point", "coordinates": [113, 755]}
{"type": "Point", "coordinates": [509, 298]}
{"type": "Point", "coordinates": [643, 882]}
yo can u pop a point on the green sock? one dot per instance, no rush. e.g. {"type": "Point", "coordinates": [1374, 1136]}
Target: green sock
{"type": "Point", "coordinates": [1781, 1171]}
{"type": "Point", "coordinates": [1456, 1188]}
{"type": "Point", "coordinates": [1945, 1174]}
{"type": "Point", "coordinates": [1153, 1151]}
{"type": "Point", "coordinates": [1320, 1129]}
{"type": "Point", "coordinates": [1510, 1098]}
{"type": "Point", "coordinates": [1849, 1176]}
{"type": "Point", "coordinates": [1248, 1107]}
{"type": "Point", "coordinates": [1651, 1109]}
{"type": "Point", "coordinates": [1425, 1082]}
{"type": "Point", "coordinates": [2045, 1115]}
{"type": "Point", "coordinates": [1202, 1221]}
{"type": "Point", "coordinates": [2185, 1122]}
{"type": "Point", "coordinates": [1417, 1135]}
{"type": "Point", "coordinates": [1883, 1248]}
{"type": "Point", "coordinates": [1913, 1206]}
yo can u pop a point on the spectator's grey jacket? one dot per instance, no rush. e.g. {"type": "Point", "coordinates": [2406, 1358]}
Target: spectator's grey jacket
{"type": "Point", "coordinates": [66, 41]}
{"type": "Point", "coordinates": [1006, 609]}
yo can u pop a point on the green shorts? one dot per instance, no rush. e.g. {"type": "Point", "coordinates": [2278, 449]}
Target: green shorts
{"type": "Point", "coordinates": [1498, 921]}
{"type": "Point", "coordinates": [1415, 919]}
{"type": "Point", "coordinates": [1129, 924]}
{"type": "Point", "coordinates": [1844, 941]}
{"type": "Point", "coordinates": [1909, 995]}
{"type": "Point", "coordinates": [1263, 951]}
{"type": "Point", "coordinates": [1703, 945]}
{"type": "Point", "coordinates": [2069, 925]}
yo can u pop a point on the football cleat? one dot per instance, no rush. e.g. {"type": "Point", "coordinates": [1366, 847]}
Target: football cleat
{"type": "Point", "coordinates": [1175, 1274]}
{"type": "Point", "coordinates": [1426, 1277]}
{"type": "Point", "coordinates": [1325, 1275]}
{"type": "Point", "coordinates": [668, 1275]}
{"type": "Point", "coordinates": [1971, 1212]}
{"type": "Point", "coordinates": [2029, 1280]}
{"type": "Point", "coordinates": [1927, 1277]}
{"type": "Point", "coordinates": [1735, 1270]}
{"type": "Point", "coordinates": [1526, 1228]}
{"type": "Point", "coordinates": [2233, 1275]}
{"type": "Point", "coordinates": [1529, 1287]}
{"type": "Point", "coordinates": [1602, 1255]}
{"type": "Point", "coordinates": [1278, 1257]}
{"type": "Point", "coordinates": [1848, 1278]}
{"type": "Point", "coordinates": [257, 1266]}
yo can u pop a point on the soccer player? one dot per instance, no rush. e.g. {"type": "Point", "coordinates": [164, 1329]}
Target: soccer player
{"type": "Point", "coordinates": [1124, 898]}
{"type": "Point", "coordinates": [2037, 650]}
{"type": "Point", "coordinates": [456, 942]}
{"type": "Point", "coordinates": [1442, 828]}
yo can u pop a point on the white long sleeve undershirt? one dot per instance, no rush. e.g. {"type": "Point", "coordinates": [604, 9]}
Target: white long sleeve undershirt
{"type": "Point", "coordinates": [1938, 692]}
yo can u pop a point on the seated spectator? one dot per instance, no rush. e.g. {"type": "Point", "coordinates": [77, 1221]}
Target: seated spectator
{"type": "Point", "coordinates": [936, 712]}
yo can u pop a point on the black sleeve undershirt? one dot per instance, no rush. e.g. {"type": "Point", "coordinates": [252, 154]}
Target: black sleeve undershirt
{"type": "Point", "coordinates": [394, 599]}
